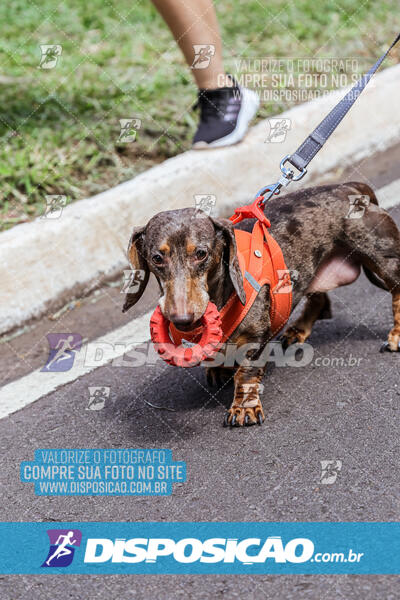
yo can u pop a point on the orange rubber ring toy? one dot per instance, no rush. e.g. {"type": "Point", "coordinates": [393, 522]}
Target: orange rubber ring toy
{"type": "Point", "coordinates": [180, 356]}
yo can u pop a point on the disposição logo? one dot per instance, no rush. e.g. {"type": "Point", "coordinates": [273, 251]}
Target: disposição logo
{"type": "Point", "coordinates": [190, 550]}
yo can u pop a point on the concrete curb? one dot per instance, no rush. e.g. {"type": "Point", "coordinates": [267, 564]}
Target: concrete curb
{"type": "Point", "coordinates": [50, 260]}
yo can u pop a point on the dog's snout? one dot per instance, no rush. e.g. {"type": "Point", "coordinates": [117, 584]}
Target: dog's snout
{"type": "Point", "coordinates": [182, 320]}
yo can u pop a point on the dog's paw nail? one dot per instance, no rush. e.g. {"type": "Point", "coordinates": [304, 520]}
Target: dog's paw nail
{"type": "Point", "coordinates": [226, 420]}
{"type": "Point", "coordinates": [246, 420]}
{"type": "Point", "coordinates": [259, 418]}
{"type": "Point", "coordinates": [233, 421]}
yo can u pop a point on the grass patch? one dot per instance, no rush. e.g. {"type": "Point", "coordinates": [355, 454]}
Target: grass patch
{"type": "Point", "coordinates": [59, 128]}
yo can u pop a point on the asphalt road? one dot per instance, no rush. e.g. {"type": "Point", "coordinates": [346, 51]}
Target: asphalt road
{"type": "Point", "coordinates": [346, 410]}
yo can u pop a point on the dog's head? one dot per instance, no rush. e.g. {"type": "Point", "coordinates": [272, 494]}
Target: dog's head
{"type": "Point", "coordinates": [186, 250]}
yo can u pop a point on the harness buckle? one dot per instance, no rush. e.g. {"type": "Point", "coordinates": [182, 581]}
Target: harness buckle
{"type": "Point", "coordinates": [251, 211]}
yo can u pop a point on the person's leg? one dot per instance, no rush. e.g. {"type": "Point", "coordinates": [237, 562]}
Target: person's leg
{"type": "Point", "coordinates": [225, 108]}
{"type": "Point", "coordinates": [194, 22]}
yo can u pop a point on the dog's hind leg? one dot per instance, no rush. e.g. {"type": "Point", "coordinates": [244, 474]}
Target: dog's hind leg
{"type": "Point", "coordinates": [318, 306]}
{"type": "Point", "coordinates": [380, 254]}
{"type": "Point", "coordinates": [393, 343]}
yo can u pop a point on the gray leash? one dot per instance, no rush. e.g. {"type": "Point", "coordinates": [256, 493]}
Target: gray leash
{"type": "Point", "coordinates": [314, 142]}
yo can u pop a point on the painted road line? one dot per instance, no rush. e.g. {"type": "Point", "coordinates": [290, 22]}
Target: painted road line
{"type": "Point", "coordinates": [32, 387]}
{"type": "Point", "coordinates": [28, 389]}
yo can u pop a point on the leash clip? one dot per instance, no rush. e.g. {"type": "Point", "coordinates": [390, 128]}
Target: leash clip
{"type": "Point", "coordinates": [287, 177]}
{"type": "Point", "coordinates": [256, 209]}
{"type": "Point", "coordinates": [271, 190]}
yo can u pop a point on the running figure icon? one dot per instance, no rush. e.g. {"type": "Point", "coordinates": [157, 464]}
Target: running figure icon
{"type": "Point", "coordinates": [62, 549]}
{"type": "Point", "coordinates": [63, 543]}
{"type": "Point", "coordinates": [63, 347]}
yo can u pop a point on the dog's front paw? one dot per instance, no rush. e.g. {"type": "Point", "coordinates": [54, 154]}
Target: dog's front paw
{"type": "Point", "coordinates": [237, 416]}
{"type": "Point", "coordinates": [293, 335]}
{"type": "Point", "coordinates": [393, 343]}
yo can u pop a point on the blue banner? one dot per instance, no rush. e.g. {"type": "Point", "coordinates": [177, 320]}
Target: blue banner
{"type": "Point", "coordinates": [231, 548]}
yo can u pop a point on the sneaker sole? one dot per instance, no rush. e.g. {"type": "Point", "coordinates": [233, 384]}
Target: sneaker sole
{"type": "Point", "coordinates": [249, 108]}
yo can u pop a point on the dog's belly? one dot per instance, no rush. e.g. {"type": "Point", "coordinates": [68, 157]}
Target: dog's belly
{"type": "Point", "coordinates": [336, 270]}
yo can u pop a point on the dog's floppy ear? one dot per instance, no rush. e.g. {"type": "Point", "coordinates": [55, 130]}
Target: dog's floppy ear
{"type": "Point", "coordinates": [226, 228]}
{"type": "Point", "coordinates": [140, 270]}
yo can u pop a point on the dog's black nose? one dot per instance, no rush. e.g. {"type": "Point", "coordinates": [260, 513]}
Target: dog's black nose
{"type": "Point", "coordinates": [183, 320]}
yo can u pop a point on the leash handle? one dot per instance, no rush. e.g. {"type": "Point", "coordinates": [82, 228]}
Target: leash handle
{"type": "Point", "coordinates": [314, 142]}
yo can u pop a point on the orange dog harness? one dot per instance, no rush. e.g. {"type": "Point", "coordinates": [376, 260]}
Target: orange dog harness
{"type": "Point", "coordinates": [261, 262]}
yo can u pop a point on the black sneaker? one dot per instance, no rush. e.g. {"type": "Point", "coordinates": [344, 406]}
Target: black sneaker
{"type": "Point", "coordinates": [225, 114]}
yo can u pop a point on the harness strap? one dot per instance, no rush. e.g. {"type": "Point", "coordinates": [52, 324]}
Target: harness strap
{"type": "Point", "coordinates": [281, 296]}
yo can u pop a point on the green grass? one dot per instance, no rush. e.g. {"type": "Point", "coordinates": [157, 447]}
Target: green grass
{"type": "Point", "coordinates": [59, 128]}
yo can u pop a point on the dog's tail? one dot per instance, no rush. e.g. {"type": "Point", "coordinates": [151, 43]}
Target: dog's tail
{"type": "Point", "coordinates": [365, 189]}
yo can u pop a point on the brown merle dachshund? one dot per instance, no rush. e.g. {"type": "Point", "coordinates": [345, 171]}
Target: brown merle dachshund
{"type": "Point", "coordinates": [194, 261]}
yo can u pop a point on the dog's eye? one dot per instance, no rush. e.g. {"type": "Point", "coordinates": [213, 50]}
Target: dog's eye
{"type": "Point", "coordinates": [157, 259]}
{"type": "Point", "coordinates": [201, 254]}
